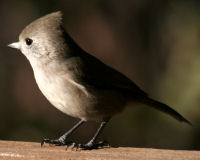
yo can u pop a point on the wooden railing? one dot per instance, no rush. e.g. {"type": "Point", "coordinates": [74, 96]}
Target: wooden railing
{"type": "Point", "coordinates": [11, 150]}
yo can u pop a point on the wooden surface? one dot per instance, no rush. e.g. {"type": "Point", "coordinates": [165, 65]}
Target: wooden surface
{"type": "Point", "coordinates": [10, 150]}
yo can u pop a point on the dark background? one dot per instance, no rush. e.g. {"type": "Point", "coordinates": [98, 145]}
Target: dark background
{"type": "Point", "coordinates": [154, 43]}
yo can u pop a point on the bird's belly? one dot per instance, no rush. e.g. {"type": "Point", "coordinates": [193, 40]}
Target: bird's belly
{"type": "Point", "coordinates": [90, 104]}
{"type": "Point", "coordinates": [64, 97]}
{"type": "Point", "coordinates": [96, 106]}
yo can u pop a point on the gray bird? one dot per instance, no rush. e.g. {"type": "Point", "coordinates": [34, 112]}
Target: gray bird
{"type": "Point", "coordinates": [77, 83]}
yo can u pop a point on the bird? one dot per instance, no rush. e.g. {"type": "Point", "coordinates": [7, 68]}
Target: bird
{"type": "Point", "coordinates": [77, 83]}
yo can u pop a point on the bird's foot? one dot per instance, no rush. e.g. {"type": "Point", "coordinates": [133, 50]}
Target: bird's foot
{"type": "Point", "coordinates": [91, 145]}
{"type": "Point", "coordinates": [88, 146]}
{"type": "Point", "coordinates": [57, 142]}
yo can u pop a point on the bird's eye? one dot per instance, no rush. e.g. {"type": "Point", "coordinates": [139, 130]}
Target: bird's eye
{"type": "Point", "coordinates": [28, 41]}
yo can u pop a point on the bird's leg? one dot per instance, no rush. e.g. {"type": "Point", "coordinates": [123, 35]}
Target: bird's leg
{"type": "Point", "coordinates": [92, 144]}
{"type": "Point", "coordinates": [62, 140]}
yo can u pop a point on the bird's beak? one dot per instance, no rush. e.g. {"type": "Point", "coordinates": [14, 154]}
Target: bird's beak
{"type": "Point", "coordinates": [14, 45]}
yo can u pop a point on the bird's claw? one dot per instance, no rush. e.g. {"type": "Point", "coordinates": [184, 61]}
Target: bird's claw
{"type": "Point", "coordinates": [56, 142]}
{"type": "Point", "coordinates": [90, 146]}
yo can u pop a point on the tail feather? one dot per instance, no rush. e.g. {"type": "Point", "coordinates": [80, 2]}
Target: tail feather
{"type": "Point", "coordinates": [164, 108]}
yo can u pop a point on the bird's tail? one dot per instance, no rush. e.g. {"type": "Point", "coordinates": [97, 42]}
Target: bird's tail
{"type": "Point", "coordinates": [164, 108]}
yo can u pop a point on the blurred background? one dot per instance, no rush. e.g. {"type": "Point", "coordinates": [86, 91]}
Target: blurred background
{"type": "Point", "coordinates": [154, 43]}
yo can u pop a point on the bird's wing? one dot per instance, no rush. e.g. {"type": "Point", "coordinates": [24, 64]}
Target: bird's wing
{"type": "Point", "coordinates": [94, 73]}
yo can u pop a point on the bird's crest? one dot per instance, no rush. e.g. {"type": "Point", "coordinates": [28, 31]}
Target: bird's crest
{"type": "Point", "coordinates": [47, 23]}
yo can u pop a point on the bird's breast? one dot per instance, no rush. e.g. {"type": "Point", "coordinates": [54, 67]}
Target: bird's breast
{"type": "Point", "coordinates": [64, 93]}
